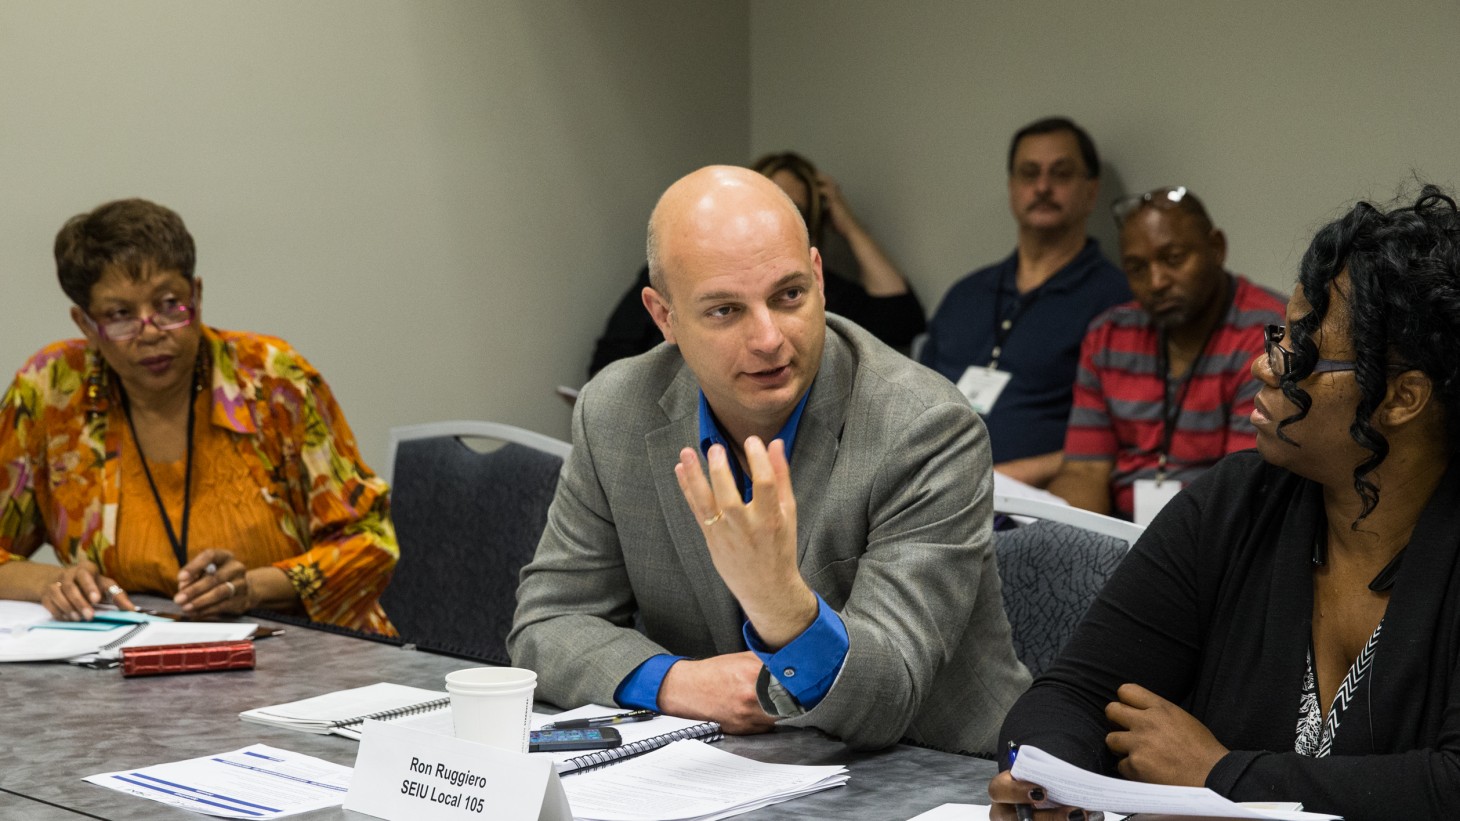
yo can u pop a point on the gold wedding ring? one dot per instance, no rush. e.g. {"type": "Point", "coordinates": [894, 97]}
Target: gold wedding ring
{"type": "Point", "coordinates": [232, 591]}
{"type": "Point", "coordinates": [710, 521]}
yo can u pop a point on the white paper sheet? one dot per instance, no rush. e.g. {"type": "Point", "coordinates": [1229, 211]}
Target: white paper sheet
{"type": "Point", "coordinates": [1069, 785]}
{"type": "Point", "coordinates": [17, 616]}
{"type": "Point", "coordinates": [259, 782]}
{"type": "Point", "coordinates": [955, 812]}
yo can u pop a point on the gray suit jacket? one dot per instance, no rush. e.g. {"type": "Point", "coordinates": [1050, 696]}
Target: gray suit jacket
{"type": "Point", "coordinates": [891, 472]}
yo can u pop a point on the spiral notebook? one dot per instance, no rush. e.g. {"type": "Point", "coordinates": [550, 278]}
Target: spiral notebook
{"type": "Point", "coordinates": [638, 737]}
{"type": "Point", "coordinates": [344, 711]}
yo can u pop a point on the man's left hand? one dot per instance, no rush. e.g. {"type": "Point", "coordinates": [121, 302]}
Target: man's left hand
{"type": "Point", "coordinates": [1161, 743]}
{"type": "Point", "coordinates": [753, 545]}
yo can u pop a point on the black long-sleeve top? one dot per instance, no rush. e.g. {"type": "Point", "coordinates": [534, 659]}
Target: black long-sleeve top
{"type": "Point", "coordinates": [1212, 610]}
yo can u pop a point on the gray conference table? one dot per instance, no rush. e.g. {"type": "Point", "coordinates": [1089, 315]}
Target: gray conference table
{"type": "Point", "coordinates": [64, 722]}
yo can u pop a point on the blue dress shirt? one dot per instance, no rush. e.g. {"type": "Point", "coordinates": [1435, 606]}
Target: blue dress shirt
{"type": "Point", "coordinates": [809, 664]}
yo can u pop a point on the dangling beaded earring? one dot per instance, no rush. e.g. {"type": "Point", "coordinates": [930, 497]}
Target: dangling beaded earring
{"type": "Point", "coordinates": [96, 386]}
{"type": "Point", "coordinates": [201, 367]}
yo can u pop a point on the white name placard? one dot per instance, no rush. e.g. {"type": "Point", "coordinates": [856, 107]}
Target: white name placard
{"type": "Point", "coordinates": [403, 775]}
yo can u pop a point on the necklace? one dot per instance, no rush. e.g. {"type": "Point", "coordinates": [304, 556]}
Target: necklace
{"type": "Point", "coordinates": [177, 538]}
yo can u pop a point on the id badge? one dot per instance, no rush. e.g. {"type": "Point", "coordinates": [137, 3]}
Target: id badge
{"type": "Point", "coordinates": [982, 386]}
{"type": "Point", "coordinates": [1151, 496]}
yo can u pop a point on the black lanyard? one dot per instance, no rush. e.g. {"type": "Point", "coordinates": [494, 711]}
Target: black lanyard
{"type": "Point", "coordinates": [1171, 415]}
{"type": "Point", "coordinates": [179, 545]}
{"type": "Point", "coordinates": [1003, 327]}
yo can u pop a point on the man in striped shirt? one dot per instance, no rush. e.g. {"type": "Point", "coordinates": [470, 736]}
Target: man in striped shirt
{"type": "Point", "coordinates": [1164, 387]}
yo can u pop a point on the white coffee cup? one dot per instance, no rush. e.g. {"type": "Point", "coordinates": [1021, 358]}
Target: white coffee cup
{"type": "Point", "coordinates": [492, 705]}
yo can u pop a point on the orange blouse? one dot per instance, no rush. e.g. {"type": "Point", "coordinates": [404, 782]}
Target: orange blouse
{"type": "Point", "coordinates": [228, 511]}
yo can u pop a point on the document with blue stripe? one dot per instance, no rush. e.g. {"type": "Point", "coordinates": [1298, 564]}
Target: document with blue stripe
{"type": "Point", "coordinates": [258, 782]}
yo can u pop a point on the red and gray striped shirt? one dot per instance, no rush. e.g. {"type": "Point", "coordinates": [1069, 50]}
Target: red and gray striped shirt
{"type": "Point", "coordinates": [1117, 409]}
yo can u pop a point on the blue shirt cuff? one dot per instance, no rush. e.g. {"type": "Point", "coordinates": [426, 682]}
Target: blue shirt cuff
{"type": "Point", "coordinates": [640, 689]}
{"type": "Point", "coordinates": [808, 665]}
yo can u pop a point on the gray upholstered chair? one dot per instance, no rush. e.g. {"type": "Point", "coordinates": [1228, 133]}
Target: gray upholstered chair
{"type": "Point", "coordinates": [1052, 570]}
{"type": "Point", "coordinates": [467, 522]}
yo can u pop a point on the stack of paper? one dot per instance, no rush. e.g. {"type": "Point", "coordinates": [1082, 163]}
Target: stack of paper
{"type": "Point", "coordinates": [980, 812]}
{"type": "Point", "coordinates": [691, 781]}
{"type": "Point", "coordinates": [1071, 786]}
{"type": "Point", "coordinates": [27, 633]}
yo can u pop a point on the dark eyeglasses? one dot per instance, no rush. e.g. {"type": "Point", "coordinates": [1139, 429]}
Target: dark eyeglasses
{"type": "Point", "coordinates": [1280, 359]}
{"type": "Point", "coordinates": [1162, 198]}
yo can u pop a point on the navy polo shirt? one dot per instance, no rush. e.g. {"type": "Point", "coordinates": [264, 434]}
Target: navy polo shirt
{"type": "Point", "coordinates": [1042, 350]}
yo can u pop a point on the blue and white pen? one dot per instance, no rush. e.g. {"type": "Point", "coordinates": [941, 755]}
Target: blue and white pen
{"type": "Point", "coordinates": [1024, 811]}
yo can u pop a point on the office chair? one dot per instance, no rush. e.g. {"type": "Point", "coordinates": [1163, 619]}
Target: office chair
{"type": "Point", "coordinates": [467, 522]}
{"type": "Point", "coordinates": [1052, 569]}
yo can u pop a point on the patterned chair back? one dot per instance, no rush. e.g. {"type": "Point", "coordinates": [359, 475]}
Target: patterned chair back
{"type": "Point", "coordinates": [467, 522]}
{"type": "Point", "coordinates": [1051, 572]}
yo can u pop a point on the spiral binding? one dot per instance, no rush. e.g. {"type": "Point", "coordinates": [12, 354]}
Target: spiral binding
{"type": "Point", "coordinates": [117, 642]}
{"type": "Point", "coordinates": [708, 731]}
{"type": "Point", "coordinates": [398, 712]}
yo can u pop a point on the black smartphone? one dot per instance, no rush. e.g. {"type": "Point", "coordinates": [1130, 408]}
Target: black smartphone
{"type": "Point", "coordinates": [589, 738]}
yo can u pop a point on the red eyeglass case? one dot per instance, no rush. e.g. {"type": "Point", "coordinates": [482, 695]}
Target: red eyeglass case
{"type": "Point", "coordinates": [203, 657]}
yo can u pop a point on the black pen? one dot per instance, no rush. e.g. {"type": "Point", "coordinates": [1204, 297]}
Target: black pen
{"type": "Point", "coordinates": [601, 721]}
{"type": "Point", "coordinates": [1024, 811]}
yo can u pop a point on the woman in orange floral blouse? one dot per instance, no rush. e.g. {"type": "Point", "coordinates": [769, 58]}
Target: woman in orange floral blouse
{"type": "Point", "coordinates": [161, 456]}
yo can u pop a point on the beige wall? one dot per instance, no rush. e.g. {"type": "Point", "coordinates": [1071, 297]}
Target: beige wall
{"type": "Point", "coordinates": [438, 201]}
{"type": "Point", "coordinates": [1277, 114]}
{"type": "Point", "coordinates": [435, 201]}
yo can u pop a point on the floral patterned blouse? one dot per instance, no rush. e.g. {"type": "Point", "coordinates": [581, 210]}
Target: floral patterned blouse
{"type": "Point", "coordinates": [61, 426]}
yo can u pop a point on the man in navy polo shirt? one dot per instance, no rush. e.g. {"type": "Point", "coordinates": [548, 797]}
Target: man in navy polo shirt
{"type": "Point", "coordinates": [1009, 334]}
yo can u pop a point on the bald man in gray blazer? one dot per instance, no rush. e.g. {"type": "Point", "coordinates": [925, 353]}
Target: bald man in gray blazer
{"type": "Point", "coordinates": [865, 602]}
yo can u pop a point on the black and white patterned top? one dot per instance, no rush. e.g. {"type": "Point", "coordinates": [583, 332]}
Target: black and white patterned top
{"type": "Point", "coordinates": [1315, 734]}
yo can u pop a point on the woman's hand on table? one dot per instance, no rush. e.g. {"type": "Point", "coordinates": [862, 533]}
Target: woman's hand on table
{"type": "Point", "coordinates": [74, 595]}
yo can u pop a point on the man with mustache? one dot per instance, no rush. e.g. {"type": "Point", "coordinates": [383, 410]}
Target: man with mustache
{"type": "Point", "coordinates": [774, 518]}
{"type": "Point", "coordinates": [1009, 334]}
{"type": "Point", "coordinates": [1184, 347]}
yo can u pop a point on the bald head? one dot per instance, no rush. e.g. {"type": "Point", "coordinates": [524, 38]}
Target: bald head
{"type": "Point", "coordinates": [719, 209]}
{"type": "Point", "coordinates": [739, 290]}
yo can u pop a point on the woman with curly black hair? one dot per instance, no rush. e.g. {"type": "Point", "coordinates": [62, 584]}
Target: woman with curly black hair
{"type": "Point", "coordinates": [1289, 627]}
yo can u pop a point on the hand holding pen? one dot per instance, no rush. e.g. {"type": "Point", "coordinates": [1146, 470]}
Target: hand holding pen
{"type": "Point", "coordinates": [1025, 812]}
{"type": "Point", "coordinates": [214, 583]}
{"type": "Point", "coordinates": [1014, 799]}
{"type": "Point", "coordinates": [601, 721]}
